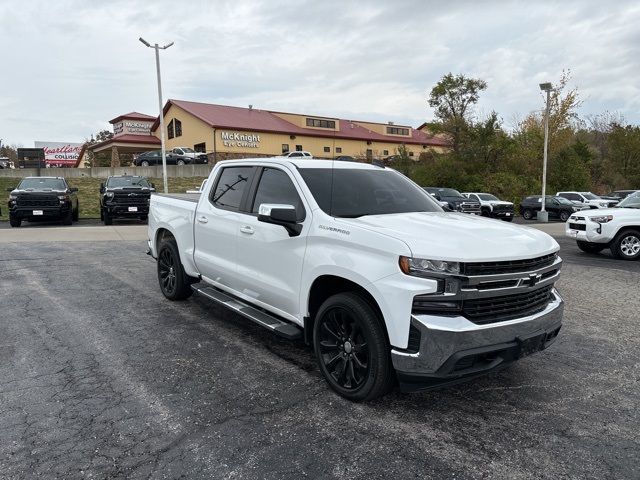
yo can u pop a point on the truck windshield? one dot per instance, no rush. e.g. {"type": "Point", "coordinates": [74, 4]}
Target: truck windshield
{"type": "Point", "coordinates": [487, 197]}
{"type": "Point", "coordinates": [116, 182]}
{"type": "Point", "coordinates": [449, 192]}
{"type": "Point", "coordinates": [590, 196]}
{"type": "Point", "coordinates": [42, 184]}
{"type": "Point", "coordinates": [352, 193]}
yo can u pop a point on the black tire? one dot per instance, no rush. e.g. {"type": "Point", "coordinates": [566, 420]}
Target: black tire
{"type": "Point", "coordinates": [589, 247]}
{"type": "Point", "coordinates": [564, 216]}
{"type": "Point", "coordinates": [144, 163]}
{"type": "Point", "coordinates": [101, 215]}
{"type": "Point", "coordinates": [108, 219]}
{"type": "Point", "coordinates": [527, 214]}
{"type": "Point", "coordinates": [351, 348]}
{"type": "Point", "coordinates": [144, 218]}
{"type": "Point", "coordinates": [626, 245]}
{"type": "Point", "coordinates": [76, 213]}
{"type": "Point", "coordinates": [180, 162]}
{"type": "Point", "coordinates": [485, 212]}
{"type": "Point", "coordinates": [175, 284]}
{"type": "Point", "coordinates": [15, 221]}
{"type": "Point", "coordinates": [67, 219]}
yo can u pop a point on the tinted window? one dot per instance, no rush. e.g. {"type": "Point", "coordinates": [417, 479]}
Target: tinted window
{"type": "Point", "coordinates": [276, 187]}
{"type": "Point", "coordinates": [488, 196]}
{"type": "Point", "coordinates": [632, 201]}
{"type": "Point", "coordinates": [449, 192]}
{"type": "Point", "coordinates": [563, 201]}
{"type": "Point", "coordinates": [42, 184]}
{"type": "Point", "coordinates": [115, 182]}
{"type": "Point", "coordinates": [590, 196]}
{"type": "Point", "coordinates": [354, 192]}
{"type": "Point", "coordinates": [230, 187]}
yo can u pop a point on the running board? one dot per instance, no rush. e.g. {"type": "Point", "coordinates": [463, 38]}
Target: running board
{"type": "Point", "coordinates": [266, 320]}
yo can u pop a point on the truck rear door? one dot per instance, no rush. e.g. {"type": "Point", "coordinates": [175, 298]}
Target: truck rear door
{"type": "Point", "coordinates": [217, 224]}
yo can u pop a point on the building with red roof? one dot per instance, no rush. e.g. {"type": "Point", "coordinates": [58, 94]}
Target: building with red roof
{"type": "Point", "coordinates": [235, 132]}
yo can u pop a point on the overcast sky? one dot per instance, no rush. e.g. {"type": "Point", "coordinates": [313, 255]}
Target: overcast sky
{"type": "Point", "coordinates": [68, 67]}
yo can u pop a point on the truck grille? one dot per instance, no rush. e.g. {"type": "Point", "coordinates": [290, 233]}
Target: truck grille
{"type": "Point", "coordinates": [134, 199]}
{"type": "Point", "coordinates": [497, 309]}
{"type": "Point", "coordinates": [38, 201]}
{"type": "Point", "coordinates": [503, 208]}
{"type": "Point", "coordinates": [466, 207]}
{"type": "Point", "coordinates": [511, 266]}
{"type": "Point", "coordinates": [578, 226]}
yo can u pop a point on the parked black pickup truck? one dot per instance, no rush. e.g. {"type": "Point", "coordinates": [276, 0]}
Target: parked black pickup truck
{"type": "Point", "coordinates": [454, 200]}
{"type": "Point", "coordinates": [43, 198]}
{"type": "Point", "coordinates": [125, 196]}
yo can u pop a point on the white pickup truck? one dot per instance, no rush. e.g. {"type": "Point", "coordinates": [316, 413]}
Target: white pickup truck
{"type": "Point", "coordinates": [615, 228]}
{"type": "Point", "coordinates": [365, 266]}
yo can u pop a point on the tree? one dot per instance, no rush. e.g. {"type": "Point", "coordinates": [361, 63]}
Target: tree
{"type": "Point", "coordinates": [452, 99]}
{"type": "Point", "coordinates": [99, 159]}
{"type": "Point", "coordinates": [403, 161]}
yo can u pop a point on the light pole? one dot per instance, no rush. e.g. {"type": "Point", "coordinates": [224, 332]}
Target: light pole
{"type": "Point", "coordinates": [157, 48]}
{"type": "Point", "coordinates": [543, 215]}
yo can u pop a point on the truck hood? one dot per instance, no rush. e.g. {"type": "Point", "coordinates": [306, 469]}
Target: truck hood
{"type": "Point", "coordinates": [499, 202]}
{"type": "Point", "coordinates": [616, 212]}
{"type": "Point", "coordinates": [458, 236]}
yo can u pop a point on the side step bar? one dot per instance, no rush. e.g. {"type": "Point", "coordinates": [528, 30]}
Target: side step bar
{"type": "Point", "coordinates": [266, 320]}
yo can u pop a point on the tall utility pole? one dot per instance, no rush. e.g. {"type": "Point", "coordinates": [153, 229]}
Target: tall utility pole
{"type": "Point", "coordinates": [543, 215]}
{"type": "Point", "coordinates": [157, 48]}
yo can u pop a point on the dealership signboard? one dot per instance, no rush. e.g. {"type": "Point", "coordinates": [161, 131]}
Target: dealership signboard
{"type": "Point", "coordinates": [60, 154]}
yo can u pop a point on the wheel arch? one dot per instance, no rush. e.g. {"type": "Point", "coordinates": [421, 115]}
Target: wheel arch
{"type": "Point", "coordinates": [327, 285]}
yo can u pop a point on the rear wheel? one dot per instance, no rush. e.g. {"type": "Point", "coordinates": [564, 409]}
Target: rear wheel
{"type": "Point", "coordinates": [180, 162]}
{"type": "Point", "coordinates": [144, 163]}
{"type": "Point", "coordinates": [175, 284]}
{"type": "Point", "coordinates": [527, 214]}
{"type": "Point", "coordinates": [626, 246]}
{"type": "Point", "coordinates": [15, 221]}
{"type": "Point", "coordinates": [351, 348]}
{"type": "Point", "coordinates": [564, 216]}
{"type": "Point", "coordinates": [485, 212]}
{"type": "Point", "coordinates": [590, 247]}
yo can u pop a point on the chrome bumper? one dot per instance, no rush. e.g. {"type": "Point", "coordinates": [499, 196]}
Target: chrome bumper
{"type": "Point", "coordinates": [442, 339]}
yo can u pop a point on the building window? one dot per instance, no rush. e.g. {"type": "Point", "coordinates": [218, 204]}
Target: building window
{"type": "Point", "coordinates": [200, 147]}
{"type": "Point", "coordinates": [338, 149]}
{"type": "Point", "coordinates": [398, 131]}
{"type": "Point", "coordinates": [369, 154]}
{"type": "Point", "coordinates": [385, 152]}
{"type": "Point", "coordinates": [411, 154]}
{"type": "Point", "coordinates": [327, 149]}
{"type": "Point", "coordinates": [178, 127]}
{"type": "Point", "coordinates": [170, 129]}
{"type": "Point", "coordinates": [316, 122]}
{"type": "Point", "coordinates": [298, 148]}
{"type": "Point", "coordinates": [285, 148]}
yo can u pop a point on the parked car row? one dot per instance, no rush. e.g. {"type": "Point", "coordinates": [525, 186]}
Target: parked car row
{"type": "Point", "coordinates": [177, 156]}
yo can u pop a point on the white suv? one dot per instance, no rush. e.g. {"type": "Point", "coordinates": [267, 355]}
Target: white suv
{"type": "Point", "coordinates": [587, 199]}
{"type": "Point", "coordinates": [297, 154]}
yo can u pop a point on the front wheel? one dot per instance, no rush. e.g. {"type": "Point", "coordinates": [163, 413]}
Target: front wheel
{"type": "Point", "coordinates": [108, 219]}
{"type": "Point", "coordinates": [589, 247]}
{"type": "Point", "coordinates": [564, 216]}
{"type": "Point", "coordinates": [180, 162]}
{"type": "Point", "coordinates": [527, 214]}
{"type": "Point", "coordinates": [175, 284]}
{"type": "Point", "coordinates": [351, 348]}
{"type": "Point", "coordinates": [144, 163]}
{"type": "Point", "coordinates": [67, 219]}
{"type": "Point", "coordinates": [626, 246]}
{"type": "Point", "coordinates": [15, 221]}
{"type": "Point", "coordinates": [76, 213]}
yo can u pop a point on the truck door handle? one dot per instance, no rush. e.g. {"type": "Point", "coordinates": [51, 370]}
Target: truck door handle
{"type": "Point", "coordinates": [202, 219]}
{"type": "Point", "coordinates": [247, 229]}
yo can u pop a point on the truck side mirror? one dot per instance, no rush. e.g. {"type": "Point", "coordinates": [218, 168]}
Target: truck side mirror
{"type": "Point", "coordinates": [280, 214]}
{"type": "Point", "coordinates": [73, 189]}
{"type": "Point", "coordinates": [153, 185]}
{"type": "Point", "coordinates": [102, 187]}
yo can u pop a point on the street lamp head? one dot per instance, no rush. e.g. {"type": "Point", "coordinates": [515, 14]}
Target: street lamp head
{"type": "Point", "coordinates": [546, 87]}
{"type": "Point", "coordinates": [144, 42]}
{"type": "Point", "coordinates": [167, 46]}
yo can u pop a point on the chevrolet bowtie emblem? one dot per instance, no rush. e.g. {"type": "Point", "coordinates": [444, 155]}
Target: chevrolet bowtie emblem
{"type": "Point", "coordinates": [533, 279]}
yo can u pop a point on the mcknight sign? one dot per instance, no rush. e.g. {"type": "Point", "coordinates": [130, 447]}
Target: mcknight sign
{"type": "Point", "coordinates": [235, 139]}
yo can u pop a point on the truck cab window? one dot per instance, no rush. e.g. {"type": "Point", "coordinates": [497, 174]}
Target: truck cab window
{"type": "Point", "coordinates": [276, 187]}
{"type": "Point", "coordinates": [230, 187]}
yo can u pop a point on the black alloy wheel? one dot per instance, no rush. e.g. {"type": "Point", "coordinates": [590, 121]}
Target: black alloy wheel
{"type": "Point", "coordinates": [76, 213]}
{"type": "Point", "coordinates": [174, 283]}
{"type": "Point", "coordinates": [15, 221]}
{"type": "Point", "coordinates": [351, 348]}
{"type": "Point", "coordinates": [527, 214]}
{"type": "Point", "coordinates": [67, 218]}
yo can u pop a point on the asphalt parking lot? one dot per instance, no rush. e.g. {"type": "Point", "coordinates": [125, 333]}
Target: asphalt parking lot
{"type": "Point", "coordinates": [101, 377]}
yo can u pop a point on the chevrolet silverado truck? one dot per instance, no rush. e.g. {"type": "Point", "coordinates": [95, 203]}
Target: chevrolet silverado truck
{"type": "Point", "coordinates": [125, 196]}
{"type": "Point", "coordinates": [454, 200]}
{"type": "Point", "coordinates": [363, 265]}
{"type": "Point", "coordinates": [43, 198]}
{"type": "Point", "coordinates": [615, 228]}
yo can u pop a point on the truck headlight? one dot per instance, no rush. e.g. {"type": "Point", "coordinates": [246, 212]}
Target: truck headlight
{"type": "Point", "coordinates": [109, 194]}
{"type": "Point", "coordinates": [420, 267]}
{"type": "Point", "coordinates": [13, 197]}
{"type": "Point", "coordinates": [601, 219]}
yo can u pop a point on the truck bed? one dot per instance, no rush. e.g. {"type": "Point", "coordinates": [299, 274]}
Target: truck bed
{"type": "Point", "coordinates": [189, 197]}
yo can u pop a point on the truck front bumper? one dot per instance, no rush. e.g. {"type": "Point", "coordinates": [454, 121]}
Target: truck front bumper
{"type": "Point", "coordinates": [453, 349]}
{"type": "Point", "coordinates": [47, 212]}
{"type": "Point", "coordinates": [581, 228]}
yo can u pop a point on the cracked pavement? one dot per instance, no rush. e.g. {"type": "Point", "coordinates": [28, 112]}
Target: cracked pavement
{"type": "Point", "coordinates": [101, 377]}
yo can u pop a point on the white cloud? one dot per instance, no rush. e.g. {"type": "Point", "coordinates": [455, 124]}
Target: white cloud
{"type": "Point", "coordinates": [70, 66]}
